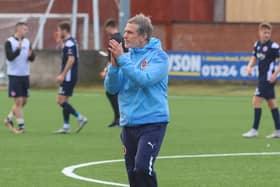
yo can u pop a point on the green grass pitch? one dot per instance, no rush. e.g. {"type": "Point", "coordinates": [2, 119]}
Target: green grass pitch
{"type": "Point", "coordinates": [202, 123]}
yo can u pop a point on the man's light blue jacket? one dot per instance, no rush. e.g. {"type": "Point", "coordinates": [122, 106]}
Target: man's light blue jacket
{"type": "Point", "coordinates": [141, 82]}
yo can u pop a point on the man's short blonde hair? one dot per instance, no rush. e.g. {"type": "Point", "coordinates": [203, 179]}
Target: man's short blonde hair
{"type": "Point", "coordinates": [144, 24]}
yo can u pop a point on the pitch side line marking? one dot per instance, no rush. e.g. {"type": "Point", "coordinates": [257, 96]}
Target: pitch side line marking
{"type": "Point", "coordinates": [69, 171]}
{"type": "Point", "coordinates": [200, 97]}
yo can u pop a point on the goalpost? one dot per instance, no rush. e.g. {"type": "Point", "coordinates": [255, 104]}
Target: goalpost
{"type": "Point", "coordinates": [36, 22]}
{"type": "Point", "coordinates": [32, 17]}
{"type": "Point", "coordinates": [42, 22]}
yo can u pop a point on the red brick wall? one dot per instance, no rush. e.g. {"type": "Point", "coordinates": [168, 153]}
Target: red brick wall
{"type": "Point", "coordinates": [107, 9]}
{"type": "Point", "coordinates": [212, 37]}
{"type": "Point", "coordinates": [165, 11]}
{"type": "Point", "coordinates": [175, 36]}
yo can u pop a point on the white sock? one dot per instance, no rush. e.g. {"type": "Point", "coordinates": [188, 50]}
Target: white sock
{"type": "Point", "coordinates": [80, 117]}
{"type": "Point", "coordinates": [66, 126]}
{"type": "Point", "coordinates": [10, 116]}
{"type": "Point", "coordinates": [20, 121]}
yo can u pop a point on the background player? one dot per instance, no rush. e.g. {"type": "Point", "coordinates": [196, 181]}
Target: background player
{"type": "Point", "coordinates": [112, 31]}
{"type": "Point", "coordinates": [265, 53]}
{"type": "Point", "coordinates": [68, 78]}
{"type": "Point", "coordinates": [19, 54]}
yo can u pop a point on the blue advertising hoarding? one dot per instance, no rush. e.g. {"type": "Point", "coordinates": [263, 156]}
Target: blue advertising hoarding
{"type": "Point", "coordinates": [210, 66]}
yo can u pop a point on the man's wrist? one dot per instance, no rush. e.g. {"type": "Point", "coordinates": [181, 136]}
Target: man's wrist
{"type": "Point", "coordinates": [63, 74]}
{"type": "Point", "coordinates": [119, 55]}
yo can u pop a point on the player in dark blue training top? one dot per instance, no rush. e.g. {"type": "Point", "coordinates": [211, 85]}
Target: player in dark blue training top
{"type": "Point", "coordinates": [68, 78]}
{"type": "Point", "coordinates": [265, 53]}
{"type": "Point", "coordinates": [112, 31]}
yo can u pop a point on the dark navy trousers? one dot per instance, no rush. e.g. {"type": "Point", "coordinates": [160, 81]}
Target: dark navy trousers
{"type": "Point", "coordinates": [142, 145]}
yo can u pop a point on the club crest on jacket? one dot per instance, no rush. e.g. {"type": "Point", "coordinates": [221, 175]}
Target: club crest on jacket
{"type": "Point", "coordinates": [144, 64]}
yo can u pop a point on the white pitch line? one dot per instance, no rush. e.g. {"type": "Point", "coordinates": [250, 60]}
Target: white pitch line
{"type": "Point", "coordinates": [220, 155]}
{"type": "Point", "coordinates": [202, 97]}
{"type": "Point", "coordinates": [69, 171]}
